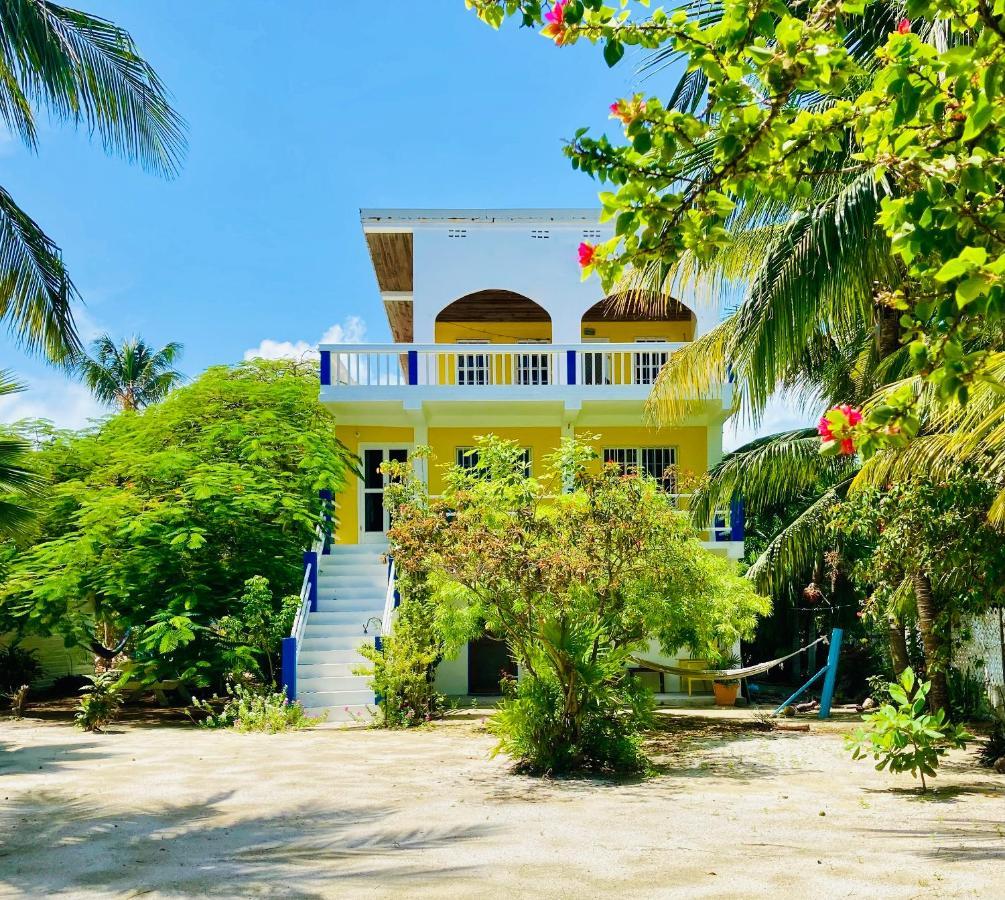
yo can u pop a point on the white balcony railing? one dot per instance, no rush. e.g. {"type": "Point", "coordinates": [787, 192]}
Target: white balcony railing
{"type": "Point", "coordinates": [493, 365]}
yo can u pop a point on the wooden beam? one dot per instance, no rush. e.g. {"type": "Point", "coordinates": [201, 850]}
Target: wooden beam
{"type": "Point", "coordinates": [391, 254]}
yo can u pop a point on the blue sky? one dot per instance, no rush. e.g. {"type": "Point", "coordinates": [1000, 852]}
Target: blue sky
{"type": "Point", "coordinates": [299, 114]}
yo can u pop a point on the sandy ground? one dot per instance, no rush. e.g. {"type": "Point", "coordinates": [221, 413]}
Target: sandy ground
{"type": "Point", "coordinates": [174, 811]}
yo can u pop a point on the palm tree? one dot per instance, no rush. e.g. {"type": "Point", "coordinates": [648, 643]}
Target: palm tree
{"type": "Point", "coordinates": [86, 71]}
{"type": "Point", "coordinates": [17, 481]}
{"type": "Point", "coordinates": [130, 375]}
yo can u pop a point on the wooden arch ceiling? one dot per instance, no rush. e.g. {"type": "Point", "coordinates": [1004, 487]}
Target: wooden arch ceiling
{"type": "Point", "coordinates": [638, 306]}
{"type": "Point", "coordinates": [484, 306]}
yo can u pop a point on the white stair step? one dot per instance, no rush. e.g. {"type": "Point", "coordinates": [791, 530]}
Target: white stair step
{"type": "Point", "coordinates": [341, 714]}
{"type": "Point", "coordinates": [331, 644]}
{"type": "Point", "coordinates": [311, 699]}
{"type": "Point", "coordinates": [354, 629]}
{"type": "Point", "coordinates": [342, 616]}
{"type": "Point", "coordinates": [329, 670]}
{"type": "Point", "coordinates": [347, 656]}
{"type": "Point", "coordinates": [328, 604]}
{"type": "Point", "coordinates": [310, 685]}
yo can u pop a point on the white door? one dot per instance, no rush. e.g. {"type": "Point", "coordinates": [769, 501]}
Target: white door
{"type": "Point", "coordinates": [648, 365]}
{"type": "Point", "coordinates": [374, 519]}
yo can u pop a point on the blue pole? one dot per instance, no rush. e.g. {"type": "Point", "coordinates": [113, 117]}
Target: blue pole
{"type": "Point", "coordinates": [289, 667]}
{"type": "Point", "coordinates": [570, 366]}
{"type": "Point", "coordinates": [311, 559]}
{"type": "Point", "coordinates": [736, 520]}
{"type": "Point", "coordinates": [326, 367]}
{"type": "Point", "coordinates": [413, 366]}
{"type": "Point", "coordinates": [832, 669]}
{"type": "Point", "coordinates": [326, 509]}
{"type": "Point", "coordinates": [801, 690]}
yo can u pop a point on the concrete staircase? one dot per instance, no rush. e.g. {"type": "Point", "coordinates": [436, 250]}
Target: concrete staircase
{"type": "Point", "coordinates": [352, 585]}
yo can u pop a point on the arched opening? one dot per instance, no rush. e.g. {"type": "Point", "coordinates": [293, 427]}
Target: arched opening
{"type": "Point", "coordinates": [493, 317]}
{"type": "Point", "coordinates": [633, 317]}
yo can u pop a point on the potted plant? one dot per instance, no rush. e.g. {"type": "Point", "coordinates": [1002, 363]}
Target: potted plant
{"type": "Point", "coordinates": [725, 689]}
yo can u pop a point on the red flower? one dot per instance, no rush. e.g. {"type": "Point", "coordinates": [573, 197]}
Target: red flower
{"type": "Point", "coordinates": [838, 424]}
{"type": "Point", "coordinates": [555, 17]}
{"type": "Point", "coordinates": [586, 252]}
{"type": "Point", "coordinates": [904, 26]}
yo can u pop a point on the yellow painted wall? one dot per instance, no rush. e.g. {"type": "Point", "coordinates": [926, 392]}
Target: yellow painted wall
{"type": "Point", "coordinates": [626, 332]}
{"type": "Point", "coordinates": [691, 443]}
{"type": "Point", "coordinates": [347, 527]}
{"type": "Point", "coordinates": [445, 441]}
{"type": "Point", "coordinates": [494, 332]}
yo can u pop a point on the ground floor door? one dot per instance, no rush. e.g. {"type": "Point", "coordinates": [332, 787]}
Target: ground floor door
{"type": "Point", "coordinates": [374, 519]}
{"type": "Point", "coordinates": [489, 661]}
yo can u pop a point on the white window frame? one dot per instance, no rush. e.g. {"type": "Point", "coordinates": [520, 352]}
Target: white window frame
{"type": "Point", "coordinates": [646, 365]}
{"type": "Point", "coordinates": [473, 369]}
{"type": "Point", "coordinates": [634, 459]}
{"type": "Point", "coordinates": [464, 461]}
{"type": "Point", "coordinates": [533, 368]}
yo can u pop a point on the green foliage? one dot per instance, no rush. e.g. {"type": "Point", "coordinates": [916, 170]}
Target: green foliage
{"type": "Point", "coordinates": [250, 708]}
{"type": "Point", "coordinates": [799, 101]}
{"type": "Point", "coordinates": [993, 749]}
{"type": "Point", "coordinates": [402, 672]}
{"type": "Point", "coordinates": [257, 626]}
{"type": "Point", "coordinates": [100, 701]}
{"type": "Point", "coordinates": [17, 481]}
{"type": "Point", "coordinates": [154, 521]}
{"type": "Point", "coordinates": [903, 737]}
{"type": "Point", "coordinates": [17, 666]}
{"type": "Point", "coordinates": [968, 694]}
{"type": "Point", "coordinates": [574, 582]}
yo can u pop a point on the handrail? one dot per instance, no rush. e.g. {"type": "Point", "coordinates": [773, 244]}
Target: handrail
{"type": "Point", "coordinates": [300, 620]}
{"type": "Point", "coordinates": [622, 347]}
{"type": "Point", "coordinates": [389, 606]}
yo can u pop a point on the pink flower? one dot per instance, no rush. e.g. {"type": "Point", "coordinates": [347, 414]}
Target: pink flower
{"type": "Point", "coordinates": [838, 424]}
{"type": "Point", "coordinates": [555, 17]}
{"type": "Point", "coordinates": [586, 252]}
{"type": "Point", "coordinates": [904, 26]}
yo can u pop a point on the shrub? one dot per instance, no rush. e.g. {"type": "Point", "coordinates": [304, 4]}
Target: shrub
{"type": "Point", "coordinates": [902, 736]}
{"type": "Point", "coordinates": [100, 702]}
{"type": "Point", "coordinates": [402, 672]}
{"type": "Point", "coordinates": [254, 709]}
{"type": "Point", "coordinates": [17, 667]}
{"type": "Point", "coordinates": [993, 749]}
{"type": "Point", "coordinates": [18, 701]}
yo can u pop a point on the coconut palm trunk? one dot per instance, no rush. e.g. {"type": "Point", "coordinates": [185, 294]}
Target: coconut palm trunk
{"type": "Point", "coordinates": [898, 645]}
{"type": "Point", "coordinates": [933, 642]}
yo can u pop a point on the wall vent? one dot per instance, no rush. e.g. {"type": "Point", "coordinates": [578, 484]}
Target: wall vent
{"type": "Point", "coordinates": [457, 232]}
{"type": "Point", "coordinates": [591, 234]}
{"type": "Point", "coordinates": [540, 233]}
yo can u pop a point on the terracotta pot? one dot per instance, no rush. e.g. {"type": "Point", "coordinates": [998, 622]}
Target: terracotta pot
{"type": "Point", "coordinates": [725, 692]}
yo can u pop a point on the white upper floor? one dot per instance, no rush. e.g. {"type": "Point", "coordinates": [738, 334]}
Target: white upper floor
{"type": "Point", "coordinates": [426, 260]}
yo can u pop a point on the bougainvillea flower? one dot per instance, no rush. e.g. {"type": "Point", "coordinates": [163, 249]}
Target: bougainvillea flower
{"type": "Point", "coordinates": [836, 427]}
{"type": "Point", "coordinates": [628, 110]}
{"type": "Point", "coordinates": [904, 26]}
{"type": "Point", "coordinates": [555, 17]}
{"type": "Point", "coordinates": [586, 252]}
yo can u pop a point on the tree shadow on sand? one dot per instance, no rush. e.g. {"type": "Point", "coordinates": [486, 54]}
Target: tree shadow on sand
{"type": "Point", "coordinates": [51, 842]}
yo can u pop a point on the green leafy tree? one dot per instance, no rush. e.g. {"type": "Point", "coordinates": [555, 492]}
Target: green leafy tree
{"type": "Point", "coordinates": [130, 375]}
{"type": "Point", "coordinates": [783, 101]}
{"type": "Point", "coordinates": [575, 583]}
{"type": "Point", "coordinates": [152, 523]}
{"type": "Point", "coordinates": [86, 71]}
{"type": "Point", "coordinates": [903, 737]}
{"type": "Point", "coordinates": [925, 544]}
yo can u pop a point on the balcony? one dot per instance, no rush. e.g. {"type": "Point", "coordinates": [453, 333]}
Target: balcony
{"type": "Point", "coordinates": [492, 371]}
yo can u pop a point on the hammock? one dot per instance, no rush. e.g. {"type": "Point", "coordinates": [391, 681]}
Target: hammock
{"type": "Point", "coordinates": [723, 674]}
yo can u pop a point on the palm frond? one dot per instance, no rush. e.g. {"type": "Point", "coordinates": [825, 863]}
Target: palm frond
{"type": "Point", "coordinates": [796, 549]}
{"type": "Point", "coordinates": [777, 469]}
{"type": "Point", "coordinates": [85, 69]}
{"type": "Point", "coordinates": [35, 289]}
{"type": "Point", "coordinates": [17, 481]}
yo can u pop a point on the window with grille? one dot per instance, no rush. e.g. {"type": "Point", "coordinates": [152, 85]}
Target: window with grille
{"type": "Point", "coordinates": [533, 368]}
{"type": "Point", "coordinates": [597, 364]}
{"type": "Point", "coordinates": [467, 458]}
{"type": "Point", "coordinates": [657, 462]}
{"type": "Point", "coordinates": [648, 364]}
{"type": "Point", "coordinates": [472, 368]}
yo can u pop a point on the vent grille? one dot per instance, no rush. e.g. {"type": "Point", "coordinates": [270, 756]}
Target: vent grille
{"type": "Point", "coordinates": [591, 234]}
{"type": "Point", "coordinates": [457, 232]}
{"type": "Point", "coordinates": [540, 234]}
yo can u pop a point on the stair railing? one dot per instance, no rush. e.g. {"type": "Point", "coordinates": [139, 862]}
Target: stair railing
{"type": "Point", "coordinates": [391, 601]}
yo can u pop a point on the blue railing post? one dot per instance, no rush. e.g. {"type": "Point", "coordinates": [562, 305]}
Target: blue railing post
{"type": "Point", "coordinates": [570, 366]}
{"type": "Point", "coordinates": [289, 667]}
{"type": "Point", "coordinates": [326, 367]}
{"type": "Point", "coordinates": [311, 559]}
{"type": "Point", "coordinates": [737, 522]}
{"type": "Point", "coordinates": [413, 366]}
{"type": "Point", "coordinates": [827, 695]}
{"type": "Point", "coordinates": [326, 512]}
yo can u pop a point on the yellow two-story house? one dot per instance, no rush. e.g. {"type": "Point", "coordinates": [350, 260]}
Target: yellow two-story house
{"type": "Point", "coordinates": [494, 331]}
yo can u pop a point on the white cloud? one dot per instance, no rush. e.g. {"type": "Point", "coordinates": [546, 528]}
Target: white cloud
{"type": "Point", "coordinates": [351, 331]}
{"type": "Point", "coordinates": [781, 414]}
{"type": "Point", "coordinates": [53, 397]}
